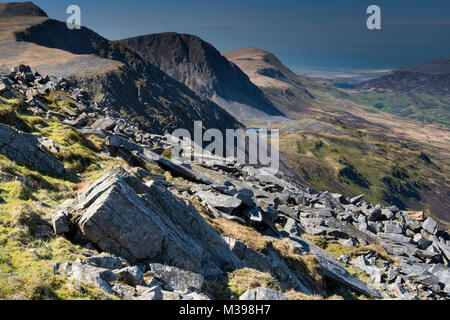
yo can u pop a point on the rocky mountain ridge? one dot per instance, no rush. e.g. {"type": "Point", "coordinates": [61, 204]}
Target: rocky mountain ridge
{"type": "Point", "coordinates": [126, 83]}
{"type": "Point", "coordinates": [211, 225]}
{"type": "Point", "coordinates": [196, 63]}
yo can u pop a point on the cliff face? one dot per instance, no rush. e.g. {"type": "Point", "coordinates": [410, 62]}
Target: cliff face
{"type": "Point", "coordinates": [202, 68]}
{"type": "Point", "coordinates": [152, 98]}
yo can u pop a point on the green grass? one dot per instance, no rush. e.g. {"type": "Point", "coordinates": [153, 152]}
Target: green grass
{"type": "Point", "coordinates": [422, 108]}
{"type": "Point", "coordinates": [364, 164]}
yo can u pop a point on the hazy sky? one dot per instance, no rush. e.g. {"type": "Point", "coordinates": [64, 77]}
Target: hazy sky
{"type": "Point", "coordinates": [320, 34]}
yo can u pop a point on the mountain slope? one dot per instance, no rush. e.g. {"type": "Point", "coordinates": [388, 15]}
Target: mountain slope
{"type": "Point", "coordinates": [202, 68]}
{"type": "Point", "coordinates": [284, 88]}
{"type": "Point", "coordinates": [420, 92]}
{"type": "Point", "coordinates": [21, 9]}
{"type": "Point", "coordinates": [134, 87]}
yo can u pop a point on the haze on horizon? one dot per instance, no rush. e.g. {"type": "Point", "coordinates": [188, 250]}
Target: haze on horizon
{"type": "Point", "coordinates": [325, 37]}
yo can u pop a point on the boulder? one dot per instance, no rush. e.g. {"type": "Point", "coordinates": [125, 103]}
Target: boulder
{"type": "Point", "coordinates": [105, 262]}
{"type": "Point", "coordinates": [293, 228]}
{"type": "Point", "coordinates": [60, 222]}
{"type": "Point", "coordinates": [430, 225]}
{"type": "Point", "coordinates": [357, 199]}
{"type": "Point", "coordinates": [262, 294]}
{"type": "Point", "coordinates": [375, 215]}
{"type": "Point", "coordinates": [138, 222]}
{"type": "Point", "coordinates": [227, 204]}
{"type": "Point", "coordinates": [176, 278]}
{"type": "Point", "coordinates": [422, 242]}
{"type": "Point", "coordinates": [396, 238]}
{"type": "Point", "coordinates": [25, 148]}
{"type": "Point", "coordinates": [104, 123]}
{"type": "Point", "coordinates": [393, 228]}
{"type": "Point", "coordinates": [154, 293]}
{"type": "Point", "coordinates": [335, 271]}
{"type": "Point", "coordinates": [93, 275]}
{"type": "Point", "coordinates": [130, 275]}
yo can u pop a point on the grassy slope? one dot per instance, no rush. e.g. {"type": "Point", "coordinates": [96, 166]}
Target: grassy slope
{"type": "Point", "coordinates": [384, 157]}
{"type": "Point", "coordinates": [422, 108]}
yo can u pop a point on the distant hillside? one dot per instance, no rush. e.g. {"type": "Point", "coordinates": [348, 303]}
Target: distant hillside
{"type": "Point", "coordinates": [21, 9]}
{"type": "Point", "coordinates": [283, 87]}
{"type": "Point", "coordinates": [136, 88]}
{"type": "Point", "coordinates": [202, 68]}
{"type": "Point", "coordinates": [438, 66]}
{"type": "Point", "coordinates": [420, 92]}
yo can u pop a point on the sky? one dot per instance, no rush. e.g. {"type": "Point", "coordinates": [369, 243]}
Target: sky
{"type": "Point", "coordinates": [308, 36]}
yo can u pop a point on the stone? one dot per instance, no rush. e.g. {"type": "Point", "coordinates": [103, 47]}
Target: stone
{"type": "Point", "coordinates": [344, 259]}
{"type": "Point", "coordinates": [195, 296]}
{"type": "Point", "coordinates": [444, 248]}
{"type": "Point", "coordinates": [347, 242]}
{"type": "Point", "coordinates": [125, 292]}
{"type": "Point", "coordinates": [430, 225]}
{"type": "Point", "coordinates": [4, 85]}
{"type": "Point", "coordinates": [105, 262]}
{"type": "Point", "coordinates": [396, 238]}
{"type": "Point", "coordinates": [393, 209]}
{"type": "Point", "coordinates": [130, 275]}
{"type": "Point", "coordinates": [270, 214]}
{"type": "Point", "coordinates": [86, 273]}
{"type": "Point", "coordinates": [117, 211]}
{"type": "Point", "coordinates": [227, 204]}
{"type": "Point", "coordinates": [104, 123]}
{"type": "Point", "coordinates": [374, 272]}
{"type": "Point", "coordinates": [246, 196]}
{"type": "Point", "coordinates": [262, 294]}
{"type": "Point", "coordinates": [269, 264]}
{"type": "Point", "coordinates": [422, 242]}
{"type": "Point", "coordinates": [25, 148]}
{"type": "Point", "coordinates": [176, 278]}
{"type": "Point", "coordinates": [393, 228]}
{"type": "Point", "coordinates": [388, 214]}
{"type": "Point", "coordinates": [392, 274]}
{"type": "Point", "coordinates": [154, 293]}
{"type": "Point", "coordinates": [333, 270]}
{"type": "Point", "coordinates": [293, 228]}
{"type": "Point", "coordinates": [416, 215]}
{"type": "Point", "coordinates": [375, 215]}
{"type": "Point", "coordinates": [357, 199]}
{"type": "Point", "coordinates": [60, 223]}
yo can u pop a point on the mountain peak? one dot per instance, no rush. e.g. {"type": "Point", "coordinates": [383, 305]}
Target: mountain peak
{"type": "Point", "coordinates": [200, 66]}
{"type": "Point", "coordinates": [21, 9]}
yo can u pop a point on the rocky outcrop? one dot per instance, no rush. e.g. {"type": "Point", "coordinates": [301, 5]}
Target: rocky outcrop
{"type": "Point", "coordinates": [261, 294]}
{"type": "Point", "coordinates": [138, 222]}
{"type": "Point", "coordinates": [25, 148]}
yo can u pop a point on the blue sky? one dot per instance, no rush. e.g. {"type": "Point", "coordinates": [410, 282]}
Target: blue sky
{"type": "Point", "coordinates": [320, 34]}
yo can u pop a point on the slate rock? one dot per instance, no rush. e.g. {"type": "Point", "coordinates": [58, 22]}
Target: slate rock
{"type": "Point", "coordinates": [262, 294]}
{"type": "Point", "coordinates": [138, 222]}
{"type": "Point", "coordinates": [176, 278]}
{"type": "Point", "coordinates": [25, 148]}
{"type": "Point", "coordinates": [60, 222]}
{"type": "Point", "coordinates": [293, 228]}
{"type": "Point", "coordinates": [393, 228]}
{"type": "Point", "coordinates": [105, 262]}
{"type": "Point", "coordinates": [130, 275]}
{"type": "Point", "coordinates": [430, 225]}
{"type": "Point", "coordinates": [227, 204]}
